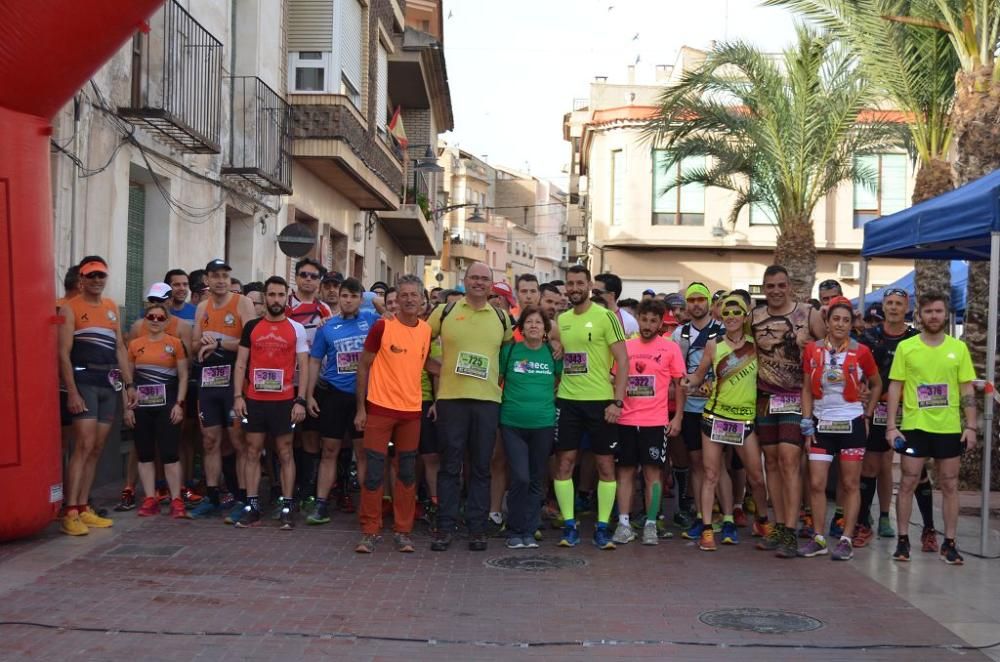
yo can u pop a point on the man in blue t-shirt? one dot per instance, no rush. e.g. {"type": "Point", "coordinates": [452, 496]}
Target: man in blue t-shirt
{"type": "Point", "coordinates": [177, 279]}
{"type": "Point", "coordinates": [330, 391]}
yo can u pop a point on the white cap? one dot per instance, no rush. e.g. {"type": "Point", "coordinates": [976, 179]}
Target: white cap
{"type": "Point", "coordinates": [158, 291]}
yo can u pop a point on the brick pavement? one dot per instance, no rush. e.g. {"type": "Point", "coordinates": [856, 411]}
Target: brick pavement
{"type": "Point", "coordinates": [261, 593]}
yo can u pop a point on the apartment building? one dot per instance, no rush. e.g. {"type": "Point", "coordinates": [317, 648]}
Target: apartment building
{"type": "Point", "coordinates": [621, 219]}
{"type": "Point", "coordinates": [537, 212]}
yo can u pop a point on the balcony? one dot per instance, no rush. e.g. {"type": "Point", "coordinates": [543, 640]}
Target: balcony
{"type": "Point", "coordinates": [464, 244]}
{"type": "Point", "coordinates": [261, 142]}
{"type": "Point", "coordinates": [332, 140]}
{"type": "Point", "coordinates": [410, 229]}
{"type": "Point", "coordinates": [177, 81]}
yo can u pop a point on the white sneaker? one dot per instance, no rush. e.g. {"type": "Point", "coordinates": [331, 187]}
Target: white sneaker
{"type": "Point", "coordinates": [623, 534]}
{"type": "Point", "coordinates": [649, 534]}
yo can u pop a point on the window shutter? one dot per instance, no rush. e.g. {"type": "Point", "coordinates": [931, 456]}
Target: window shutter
{"type": "Point", "coordinates": [351, 29]}
{"type": "Point", "coordinates": [382, 87]}
{"type": "Point", "coordinates": [135, 251]}
{"type": "Point", "coordinates": [310, 25]}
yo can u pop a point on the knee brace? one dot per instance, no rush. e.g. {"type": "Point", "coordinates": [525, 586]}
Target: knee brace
{"type": "Point", "coordinates": [408, 468]}
{"type": "Point", "coordinates": [374, 470]}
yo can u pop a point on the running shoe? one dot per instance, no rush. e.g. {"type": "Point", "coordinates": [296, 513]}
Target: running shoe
{"type": "Point", "coordinates": [739, 517]}
{"type": "Point", "coordinates": [126, 501]}
{"type": "Point", "coordinates": [807, 531]}
{"type": "Point", "coordinates": [515, 542]}
{"type": "Point", "coordinates": [496, 529]}
{"type": "Point", "coordinates": [205, 509]}
{"type": "Point", "coordinates": [902, 552]}
{"type": "Point", "coordinates": [716, 521]}
{"type": "Point", "coordinates": [570, 536]}
{"type": "Point", "coordinates": [190, 496]}
{"type": "Point", "coordinates": [760, 529]}
{"type": "Point", "coordinates": [885, 529]}
{"type": "Point", "coordinates": [772, 540]}
{"type": "Point", "coordinates": [441, 541]}
{"type": "Point", "coordinates": [601, 538]}
{"type": "Point", "coordinates": [928, 540]}
{"type": "Point", "coordinates": [950, 555]}
{"type": "Point", "coordinates": [683, 520]}
{"type": "Point", "coordinates": [72, 526]}
{"type": "Point", "coordinates": [287, 519]}
{"type": "Point", "coordinates": [650, 536]}
{"type": "Point", "coordinates": [477, 542]}
{"type": "Point", "coordinates": [862, 536]}
{"type": "Point", "coordinates": [538, 535]}
{"type": "Point", "coordinates": [235, 513]}
{"type": "Point", "coordinates": [694, 531]}
{"type": "Point", "coordinates": [403, 543]}
{"type": "Point", "coordinates": [178, 510]}
{"type": "Point", "coordinates": [623, 534]}
{"type": "Point", "coordinates": [749, 505]}
{"type": "Point", "coordinates": [531, 542]}
{"type": "Point", "coordinates": [836, 527]}
{"type": "Point", "coordinates": [163, 495]}
{"type": "Point", "coordinates": [320, 515]}
{"type": "Point", "coordinates": [661, 529]}
{"type": "Point", "coordinates": [345, 503]}
{"type": "Point", "coordinates": [150, 507]}
{"type": "Point", "coordinates": [706, 542]}
{"type": "Point", "coordinates": [815, 547]}
{"type": "Point", "coordinates": [93, 520]}
{"type": "Point", "coordinates": [787, 548]}
{"type": "Point", "coordinates": [308, 505]}
{"type": "Point", "coordinates": [250, 518]}
{"type": "Point", "coordinates": [844, 551]}
{"type": "Point", "coordinates": [729, 534]}
{"type": "Point", "coordinates": [366, 545]}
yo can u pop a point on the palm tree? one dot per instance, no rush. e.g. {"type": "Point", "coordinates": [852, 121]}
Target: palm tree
{"type": "Point", "coordinates": [913, 68]}
{"type": "Point", "coordinates": [779, 132]}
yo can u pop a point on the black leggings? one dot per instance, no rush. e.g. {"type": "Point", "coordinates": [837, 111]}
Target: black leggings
{"type": "Point", "coordinates": [153, 430]}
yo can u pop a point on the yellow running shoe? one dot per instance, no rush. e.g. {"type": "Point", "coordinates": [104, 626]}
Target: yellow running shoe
{"type": "Point", "coordinates": [93, 520]}
{"type": "Point", "coordinates": [72, 526]}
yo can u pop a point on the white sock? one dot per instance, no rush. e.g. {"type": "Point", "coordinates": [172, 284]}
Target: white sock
{"type": "Point", "coordinates": [623, 520]}
{"type": "Point", "coordinates": [497, 518]}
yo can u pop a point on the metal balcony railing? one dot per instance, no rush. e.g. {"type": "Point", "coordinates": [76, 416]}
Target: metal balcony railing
{"type": "Point", "coordinates": [260, 143]}
{"type": "Point", "coordinates": [177, 81]}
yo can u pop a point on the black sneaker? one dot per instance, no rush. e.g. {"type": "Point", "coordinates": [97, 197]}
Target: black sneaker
{"type": "Point", "coordinates": [286, 518]}
{"type": "Point", "coordinates": [248, 519]}
{"type": "Point", "coordinates": [949, 553]}
{"type": "Point", "coordinates": [477, 542]}
{"type": "Point", "coordinates": [902, 552]}
{"type": "Point", "coordinates": [127, 500]}
{"type": "Point", "coordinates": [441, 541]}
{"type": "Point", "coordinates": [787, 547]}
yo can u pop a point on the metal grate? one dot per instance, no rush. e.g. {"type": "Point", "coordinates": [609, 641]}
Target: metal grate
{"type": "Point", "coordinates": [763, 621]}
{"type": "Point", "coordinates": [535, 563]}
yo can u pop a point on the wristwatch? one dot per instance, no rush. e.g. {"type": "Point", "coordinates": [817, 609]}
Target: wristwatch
{"type": "Point", "coordinates": [619, 404]}
{"type": "Point", "coordinates": [299, 401]}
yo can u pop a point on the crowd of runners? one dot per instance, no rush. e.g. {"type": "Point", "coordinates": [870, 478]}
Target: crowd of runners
{"type": "Point", "coordinates": [501, 411]}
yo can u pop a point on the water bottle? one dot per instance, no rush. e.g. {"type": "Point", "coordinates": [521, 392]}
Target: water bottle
{"type": "Point", "coordinates": [899, 444]}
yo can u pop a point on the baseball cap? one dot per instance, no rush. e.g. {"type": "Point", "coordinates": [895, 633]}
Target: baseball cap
{"type": "Point", "coordinates": [669, 319]}
{"type": "Point", "coordinates": [158, 292]}
{"type": "Point", "coordinates": [333, 277]}
{"type": "Point", "coordinates": [675, 300]}
{"type": "Point", "coordinates": [649, 291]}
{"type": "Point", "coordinates": [503, 289]}
{"type": "Point", "coordinates": [378, 285]}
{"type": "Point", "coordinates": [217, 264]}
{"type": "Point", "coordinates": [875, 312]}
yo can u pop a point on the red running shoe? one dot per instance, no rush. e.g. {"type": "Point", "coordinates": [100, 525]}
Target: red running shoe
{"type": "Point", "coordinates": [150, 507]}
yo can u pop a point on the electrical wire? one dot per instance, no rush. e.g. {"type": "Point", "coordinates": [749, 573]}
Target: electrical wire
{"type": "Point", "coordinates": [582, 643]}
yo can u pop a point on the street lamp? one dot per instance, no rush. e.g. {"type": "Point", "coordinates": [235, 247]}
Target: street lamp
{"type": "Point", "coordinates": [429, 162]}
{"type": "Point", "coordinates": [476, 217]}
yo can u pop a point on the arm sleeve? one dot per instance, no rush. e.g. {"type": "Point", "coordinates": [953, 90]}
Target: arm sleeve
{"type": "Point", "coordinates": [247, 330]}
{"type": "Point", "coordinates": [318, 349]}
{"type": "Point", "coordinates": [374, 340]}
{"type": "Point", "coordinates": [301, 342]}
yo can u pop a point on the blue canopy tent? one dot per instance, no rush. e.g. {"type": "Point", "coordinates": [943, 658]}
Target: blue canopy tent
{"type": "Point", "coordinates": [963, 224]}
{"type": "Point", "coordinates": [959, 280]}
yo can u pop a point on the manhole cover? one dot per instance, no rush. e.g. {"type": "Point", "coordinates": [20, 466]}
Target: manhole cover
{"type": "Point", "coordinates": [536, 563]}
{"type": "Point", "coordinates": [144, 550]}
{"type": "Point", "coordinates": [764, 621]}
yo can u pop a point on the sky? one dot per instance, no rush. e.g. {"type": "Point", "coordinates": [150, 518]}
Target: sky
{"type": "Point", "coordinates": [515, 66]}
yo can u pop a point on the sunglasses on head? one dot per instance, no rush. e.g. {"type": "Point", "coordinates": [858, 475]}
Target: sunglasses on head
{"type": "Point", "coordinates": [309, 275]}
{"type": "Point", "coordinates": [829, 285]}
{"type": "Point", "coordinates": [96, 274]}
{"type": "Point", "coordinates": [896, 292]}
{"type": "Point", "coordinates": [732, 312]}
{"type": "Point", "coordinates": [153, 317]}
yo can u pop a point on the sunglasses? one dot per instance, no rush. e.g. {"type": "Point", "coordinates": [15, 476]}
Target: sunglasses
{"type": "Point", "coordinates": [730, 312]}
{"type": "Point", "coordinates": [896, 292]}
{"type": "Point", "coordinates": [309, 275]}
{"type": "Point", "coordinates": [828, 285]}
{"type": "Point", "coordinates": [100, 275]}
{"type": "Point", "coordinates": [156, 318]}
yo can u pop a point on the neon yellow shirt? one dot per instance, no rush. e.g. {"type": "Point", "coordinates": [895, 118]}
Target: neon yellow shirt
{"type": "Point", "coordinates": [931, 377]}
{"type": "Point", "coordinates": [587, 358]}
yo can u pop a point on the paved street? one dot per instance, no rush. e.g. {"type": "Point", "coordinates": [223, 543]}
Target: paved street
{"type": "Point", "coordinates": [167, 590]}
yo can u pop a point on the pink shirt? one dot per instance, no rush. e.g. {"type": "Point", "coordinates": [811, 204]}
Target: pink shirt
{"type": "Point", "coordinates": [652, 366]}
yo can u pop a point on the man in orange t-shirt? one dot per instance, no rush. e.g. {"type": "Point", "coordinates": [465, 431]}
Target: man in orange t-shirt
{"type": "Point", "coordinates": [389, 398]}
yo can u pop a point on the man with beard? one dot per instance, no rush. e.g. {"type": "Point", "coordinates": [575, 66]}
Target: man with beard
{"type": "Point", "coordinates": [780, 330]}
{"type": "Point", "coordinates": [933, 375]}
{"type": "Point", "coordinates": [550, 299]}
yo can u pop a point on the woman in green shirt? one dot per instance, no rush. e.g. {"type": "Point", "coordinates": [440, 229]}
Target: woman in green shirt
{"type": "Point", "coordinates": [530, 376]}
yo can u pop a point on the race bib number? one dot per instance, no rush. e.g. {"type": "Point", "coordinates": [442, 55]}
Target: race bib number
{"type": "Point", "coordinates": [932, 396]}
{"type": "Point", "coordinates": [575, 363]}
{"type": "Point", "coordinates": [641, 386]}
{"type": "Point", "coordinates": [834, 427]}
{"type": "Point", "coordinates": [728, 432]}
{"type": "Point", "coordinates": [216, 376]}
{"type": "Point", "coordinates": [267, 380]}
{"type": "Point", "coordinates": [785, 403]}
{"type": "Point", "coordinates": [881, 415]}
{"type": "Point", "coordinates": [472, 365]}
{"type": "Point", "coordinates": [152, 395]}
{"type": "Point", "coordinates": [347, 362]}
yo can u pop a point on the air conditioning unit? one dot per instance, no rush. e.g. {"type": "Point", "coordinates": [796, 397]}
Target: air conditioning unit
{"type": "Point", "coordinates": [847, 270]}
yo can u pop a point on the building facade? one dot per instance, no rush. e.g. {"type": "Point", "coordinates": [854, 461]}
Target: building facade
{"type": "Point", "coordinates": [663, 240]}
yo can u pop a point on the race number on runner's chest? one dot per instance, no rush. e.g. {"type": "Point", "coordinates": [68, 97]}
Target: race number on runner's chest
{"type": "Point", "coordinates": [474, 365]}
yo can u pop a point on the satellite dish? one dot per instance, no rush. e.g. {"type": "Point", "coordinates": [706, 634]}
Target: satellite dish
{"type": "Point", "coordinates": [296, 240]}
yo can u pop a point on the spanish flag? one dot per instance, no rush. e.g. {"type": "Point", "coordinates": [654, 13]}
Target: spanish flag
{"type": "Point", "coordinates": [397, 130]}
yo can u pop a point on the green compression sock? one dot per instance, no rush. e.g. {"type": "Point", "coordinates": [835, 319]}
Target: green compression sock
{"type": "Point", "coordinates": [564, 495]}
{"type": "Point", "coordinates": [655, 496]}
{"type": "Point", "coordinates": [605, 499]}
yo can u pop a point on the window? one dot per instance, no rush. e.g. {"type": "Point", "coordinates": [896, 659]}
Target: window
{"type": "Point", "coordinates": [351, 29]}
{"type": "Point", "coordinates": [337, 70]}
{"type": "Point", "coordinates": [309, 71]}
{"type": "Point", "coordinates": [890, 193]}
{"type": "Point", "coordinates": [617, 186]}
{"type": "Point", "coordinates": [681, 205]}
{"type": "Point", "coordinates": [381, 88]}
